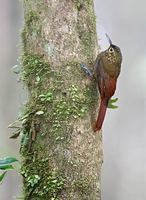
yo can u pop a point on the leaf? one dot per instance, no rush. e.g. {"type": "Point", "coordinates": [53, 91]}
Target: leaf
{"type": "Point", "coordinates": [49, 94]}
{"type": "Point", "coordinates": [16, 69]}
{"type": "Point", "coordinates": [8, 167]}
{"type": "Point", "coordinates": [38, 79]}
{"type": "Point", "coordinates": [13, 125]}
{"type": "Point", "coordinates": [2, 176]}
{"type": "Point", "coordinates": [111, 105]}
{"type": "Point", "coordinates": [40, 112]}
{"type": "Point", "coordinates": [7, 161]}
{"type": "Point", "coordinates": [41, 95]}
{"type": "Point", "coordinates": [15, 135]}
{"type": "Point", "coordinates": [113, 100]}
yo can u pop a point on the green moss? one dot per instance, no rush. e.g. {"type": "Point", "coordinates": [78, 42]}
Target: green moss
{"type": "Point", "coordinates": [81, 3]}
{"type": "Point", "coordinates": [31, 17]}
{"type": "Point", "coordinates": [56, 102]}
{"type": "Point", "coordinates": [83, 186]}
{"type": "Point", "coordinates": [40, 180]}
{"type": "Point", "coordinates": [34, 68]}
{"type": "Point", "coordinates": [32, 28]}
{"type": "Point", "coordinates": [62, 107]}
{"type": "Point", "coordinates": [53, 104]}
{"type": "Point", "coordinates": [87, 34]}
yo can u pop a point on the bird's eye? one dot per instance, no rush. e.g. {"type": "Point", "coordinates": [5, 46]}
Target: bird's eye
{"type": "Point", "coordinates": [111, 50]}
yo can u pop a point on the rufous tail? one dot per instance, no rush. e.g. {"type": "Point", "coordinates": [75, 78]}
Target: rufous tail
{"type": "Point", "coordinates": [101, 114]}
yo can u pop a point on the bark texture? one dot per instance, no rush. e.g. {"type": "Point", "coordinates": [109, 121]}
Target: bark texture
{"type": "Point", "coordinates": [62, 155]}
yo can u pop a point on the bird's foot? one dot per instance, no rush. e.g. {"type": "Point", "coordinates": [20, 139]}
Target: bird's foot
{"type": "Point", "coordinates": [87, 71]}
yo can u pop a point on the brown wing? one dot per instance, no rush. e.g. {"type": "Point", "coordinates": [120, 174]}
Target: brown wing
{"type": "Point", "coordinates": [106, 84]}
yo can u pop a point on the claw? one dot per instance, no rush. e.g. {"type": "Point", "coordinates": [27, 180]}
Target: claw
{"type": "Point", "coordinates": [86, 70]}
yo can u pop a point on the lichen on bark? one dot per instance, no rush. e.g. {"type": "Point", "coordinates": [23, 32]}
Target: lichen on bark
{"type": "Point", "coordinates": [62, 156]}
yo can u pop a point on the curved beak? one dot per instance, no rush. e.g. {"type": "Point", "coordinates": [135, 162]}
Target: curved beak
{"type": "Point", "coordinates": [108, 39]}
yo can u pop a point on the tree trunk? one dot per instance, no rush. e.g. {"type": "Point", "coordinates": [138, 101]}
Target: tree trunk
{"type": "Point", "coordinates": [62, 155]}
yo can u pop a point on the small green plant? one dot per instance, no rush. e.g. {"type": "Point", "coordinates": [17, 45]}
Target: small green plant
{"type": "Point", "coordinates": [5, 165]}
{"type": "Point", "coordinates": [48, 97]}
{"type": "Point", "coordinates": [33, 180]}
{"type": "Point", "coordinates": [111, 103]}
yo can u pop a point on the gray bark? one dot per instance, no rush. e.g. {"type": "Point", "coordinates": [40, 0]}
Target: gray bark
{"type": "Point", "coordinates": [62, 155]}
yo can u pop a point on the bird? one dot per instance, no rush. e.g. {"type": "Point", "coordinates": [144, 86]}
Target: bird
{"type": "Point", "coordinates": [106, 71]}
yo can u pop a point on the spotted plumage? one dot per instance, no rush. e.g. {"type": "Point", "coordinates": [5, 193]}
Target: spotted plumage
{"type": "Point", "coordinates": [107, 69]}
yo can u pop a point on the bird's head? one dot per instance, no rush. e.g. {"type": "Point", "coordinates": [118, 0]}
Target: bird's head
{"type": "Point", "coordinates": [114, 50]}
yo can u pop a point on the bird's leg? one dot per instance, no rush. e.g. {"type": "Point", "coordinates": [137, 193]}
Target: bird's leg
{"type": "Point", "coordinates": [87, 71]}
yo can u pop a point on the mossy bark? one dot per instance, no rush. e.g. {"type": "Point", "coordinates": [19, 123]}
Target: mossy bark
{"type": "Point", "coordinates": [62, 155]}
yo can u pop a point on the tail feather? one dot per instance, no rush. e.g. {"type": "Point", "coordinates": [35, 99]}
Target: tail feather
{"type": "Point", "coordinates": [101, 114]}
